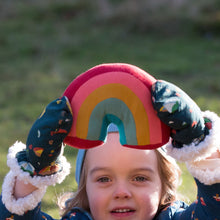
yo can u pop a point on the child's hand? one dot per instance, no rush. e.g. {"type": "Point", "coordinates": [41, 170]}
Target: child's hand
{"type": "Point", "coordinates": [177, 110]}
{"type": "Point", "coordinates": [44, 142]}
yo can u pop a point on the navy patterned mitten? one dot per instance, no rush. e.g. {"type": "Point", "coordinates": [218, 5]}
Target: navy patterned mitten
{"type": "Point", "coordinates": [44, 142]}
{"type": "Point", "coordinates": [177, 110]}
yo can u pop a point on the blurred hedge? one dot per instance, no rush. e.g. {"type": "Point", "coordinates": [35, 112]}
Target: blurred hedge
{"type": "Point", "coordinates": [161, 16]}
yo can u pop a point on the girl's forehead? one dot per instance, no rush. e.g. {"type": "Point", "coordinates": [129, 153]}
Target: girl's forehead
{"type": "Point", "coordinates": [113, 152]}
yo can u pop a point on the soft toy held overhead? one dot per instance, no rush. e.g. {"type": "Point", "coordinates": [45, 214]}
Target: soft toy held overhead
{"type": "Point", "coordinates": [114, 93]}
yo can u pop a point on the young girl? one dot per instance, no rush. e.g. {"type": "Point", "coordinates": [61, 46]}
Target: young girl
{"type": "Point", "coordinates": [116, 182]}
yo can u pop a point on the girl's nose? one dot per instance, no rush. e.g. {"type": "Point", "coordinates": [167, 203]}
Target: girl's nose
{"type": "Point", "coordinates": [122, 191]}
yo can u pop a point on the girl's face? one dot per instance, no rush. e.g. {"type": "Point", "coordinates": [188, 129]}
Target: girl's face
{"type": "Point", "coordinates": [122, 183]}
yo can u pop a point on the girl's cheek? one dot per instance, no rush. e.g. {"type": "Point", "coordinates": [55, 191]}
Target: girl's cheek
{"type": "Point", "coordinates": [93, 193]}
{"type": "Point", "coordinates": [96, 204]}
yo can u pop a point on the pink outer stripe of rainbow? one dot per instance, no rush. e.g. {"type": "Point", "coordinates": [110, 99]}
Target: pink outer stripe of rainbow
{"type": "Point", "coordinates": [104, 68]}
{"type": "Point", "coordinates": [131, 82]}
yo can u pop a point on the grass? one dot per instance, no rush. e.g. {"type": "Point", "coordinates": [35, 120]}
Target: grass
{"type": "Point", "coordinates": [44, 46]}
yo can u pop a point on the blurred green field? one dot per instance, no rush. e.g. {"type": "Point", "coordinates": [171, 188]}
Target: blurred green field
{"type": "Point", "coordinates": [45, 45]}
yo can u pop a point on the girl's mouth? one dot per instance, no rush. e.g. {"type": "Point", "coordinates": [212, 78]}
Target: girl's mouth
{"type": "Point", "coordinates": [122, 212]}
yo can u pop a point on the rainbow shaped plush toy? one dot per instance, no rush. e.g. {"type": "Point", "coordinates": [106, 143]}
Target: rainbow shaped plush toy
{"type": "Point", "coordinates": [114, 93]}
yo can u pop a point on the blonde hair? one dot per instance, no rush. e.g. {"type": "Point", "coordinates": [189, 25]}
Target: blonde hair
{"type": "Point", "coordinates": [169, 173]}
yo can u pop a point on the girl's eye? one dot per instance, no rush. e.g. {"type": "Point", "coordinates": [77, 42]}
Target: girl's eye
{"type": "Point", "coordinates": [103, 179]}
{"type": "Point", "coordinates": [140, 179]}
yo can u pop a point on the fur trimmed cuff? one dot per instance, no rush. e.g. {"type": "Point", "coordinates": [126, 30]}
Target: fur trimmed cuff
{"type": "Point", "coordinates": [206, 171]}
{"type": "Point", "coordinates": [38, 181]}
{"type": "Point", "coordinates": [204, 149]}
{"type": "Point", "coordinates": [21, 205]}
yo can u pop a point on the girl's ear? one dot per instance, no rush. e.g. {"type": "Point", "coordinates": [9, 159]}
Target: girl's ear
{"type": "Point", "coordinates": [114, 93]}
